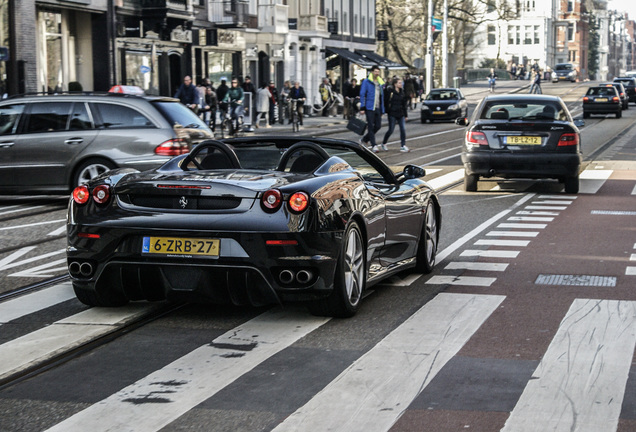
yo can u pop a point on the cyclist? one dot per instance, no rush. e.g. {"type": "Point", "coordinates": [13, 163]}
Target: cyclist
{"type": "Point", "coordinates": [352, 96]}
{"type": "Point", "coordinates": [234, 98]}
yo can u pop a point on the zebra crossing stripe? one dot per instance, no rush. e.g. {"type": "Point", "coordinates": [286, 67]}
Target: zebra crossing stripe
{"type": "Point", "coordinates": [530, 219]}
{"type": "Point", "coordinates": [522, 225]}
{"type": "Point", "coordinates": [490, 253]}
{"type": "Point", "coordinates": [19, 354]}
{"type": "Point", "coordinates": [590, 181]}
{"type": "Point", "coordinates": [377, 388]}
{"type": "Point", "coordinates": [479, 266]}
{"type": "Point", "coordinates": [581, 380]}
{"type": "Point", "coordinates": [31, 303]}
{"type": "Point", "coordinates": [195, 377]}
{"type": "Point", "coordinates": [495, 242]}
{"type": "Point", "coordinates": [461, 280]}
{"type": "Point", "coordinates": [512, 233]}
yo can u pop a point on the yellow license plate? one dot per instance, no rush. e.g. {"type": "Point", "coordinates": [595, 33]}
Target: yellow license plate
{"type": "Point", "coordinates": [601, 99]}
{"type": "Point", "coordinates": [522, 140]}
{"type": "Point", "coordinates": [180, 246]}
{"type": "Point", "coordinates": [439, 112]}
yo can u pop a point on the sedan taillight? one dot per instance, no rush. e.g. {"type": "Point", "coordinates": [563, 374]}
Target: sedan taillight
{"type": "Point", "coordinates": [476, 138]}
{"type": "Point", "coordinates": [586, 99]}
{"type": "Point", "coordinates": [173, 147]}
{"type": "Point", "coordinates": [568, 139]}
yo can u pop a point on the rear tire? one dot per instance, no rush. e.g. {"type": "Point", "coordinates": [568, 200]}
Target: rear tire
{"type": "Point", "coordinates": [427, 248]}
{"type": "Point", "coordinates": [349, 280]}
{"type": "Point", "coordinates": [571, 185]}
{"type": "Point", "coordinates": [619, 114]}
{"type": "Point", "coordinates": [90, 169]}
{"type": "Point", "coordinates": [586, 115]}
{"type": "Point", "coordinates": [470, 182]}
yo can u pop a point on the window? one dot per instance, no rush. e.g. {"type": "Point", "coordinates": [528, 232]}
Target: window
{"type": "Point", "coordinates": [9, 117]}
{"type": "Point", "coordinates": [355, 23]}
{"type": "Point", "coordinates": [345, 22]}
{"type": "Point", "coordinates": [537, 35]}
{"type": "Point", "coordinates": [79, 118]}
{"type": "Point", "coordinates": [518, 32]}
{"type": "Point", "coordinates": [511, 35]}
{"type": "Point", "coordinates": [362, 25]}
{"type": "Point", "coordinates": [570, 5]}
{"type": "Point", "coordinates": [492, 35]}
{"type": "Point", "coordinates": [527, 37]}
{"type": "Point", "coordinates": [491, 6]}
{"type": "Point", "coordinates": [571, 32]}
{"type": "Point", "coordinates": [48, 117]}
{"type": "Point", "coordinates": [118, 116]}
{"type": "Point", "coordinates": [572, 56]}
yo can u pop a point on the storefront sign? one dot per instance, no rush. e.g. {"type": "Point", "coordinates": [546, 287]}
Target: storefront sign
{"type": "Point", "coordinates": [181, 35]}
{"type": "Point", "coordinates": [144, 69]}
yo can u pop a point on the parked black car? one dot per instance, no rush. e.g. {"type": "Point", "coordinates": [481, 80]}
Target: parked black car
{"type": "Point", "coordinates": [602, 100]}
{"type": "Point", "coordinates": [52, 143]}
{"type": "Point", "coordinates": [252, 221]}
{"type": "Point", "coordinates": [444, 104]}
{"type": "Point", "coordinates": [522, 136]}
{"type": "Point", "coordinates": [630, 86]}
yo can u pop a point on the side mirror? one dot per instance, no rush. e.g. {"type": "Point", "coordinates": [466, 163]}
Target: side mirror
{"type": "Point", "coordinates": [413, 172]}
{"type": "Point", "coordinates": [461, 121]}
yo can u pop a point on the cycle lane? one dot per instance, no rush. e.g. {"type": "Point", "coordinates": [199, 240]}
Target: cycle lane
{"type": "Point", "coordinates": [535, 364]}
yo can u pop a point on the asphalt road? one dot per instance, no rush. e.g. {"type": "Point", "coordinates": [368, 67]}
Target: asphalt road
{"type": "Point", "coordinates": [528, 322]}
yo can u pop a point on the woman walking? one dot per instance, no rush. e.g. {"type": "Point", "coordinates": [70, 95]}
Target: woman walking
{"type": "Point", "coordinates": [396, 102]}
{"type": "Point", "coordinates": [262, 105]}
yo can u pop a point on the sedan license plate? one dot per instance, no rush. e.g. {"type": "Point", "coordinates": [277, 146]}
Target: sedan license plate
{"type": "Point", "coordinates": [180, 246]}
{"type": "Point", "coordinates": [439, 112]}
{"type": "Point", "coordinates": [522, 140]}
{"type": "Point", "coordinates": [600, 100]}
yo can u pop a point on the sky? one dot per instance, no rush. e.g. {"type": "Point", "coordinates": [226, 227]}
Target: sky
{"type": "Point", "coordinates": [628, 6]}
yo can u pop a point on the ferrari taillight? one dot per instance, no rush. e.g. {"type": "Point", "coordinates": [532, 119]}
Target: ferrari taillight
{"type": "Point", "coordinates": [298, 202]}
{"type": "Point", "coordinates": [271, 200]}
{"type": "Point", "coordinates": [172, 147]}
{"type": "Point", "coordinates": [81, 194]}
{"type": "Point", "coordinates": [101, 194]}
{"type": "Point", "coordinates": [568, 139]}
{"type": "Point", "coordinates": [476, 138]}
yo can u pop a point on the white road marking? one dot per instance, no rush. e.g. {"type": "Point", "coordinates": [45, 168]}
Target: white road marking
{"type": "Point", "coordinates": [630, 271]}
{"type": "Point", "coordinates": [35, 347]}
{"type": "Point", "coordinates": [48, 269]}
{"type": "Point", "coordinates": [522, 225]}
{"type": "Point", "coordinates": [60, 230]}
{"type": "Point", "coordinates": [530, 219]}
{"type": "Point", "coordinates": [33, 302]}
{"type": "Point", "coordinates": [8, 262]}
{"type": "Point", "coordinates": [545, 207]}
{"type": "Point", "coordinates": [401, 279]}
{"type": "Point", "coordinates": [32, 224]}
{"type": "Point", "coordinates": [490, 253]}
{"type": "Point", "coordinates": [538, 213]}
{"type": "Point", "coordinates": [376, 389]}
{"type": "Point", "coordinates": [634, 190]}
{"type": "Point", "coordinates": [446, 179]}
{"type": "Point", "coordinates": [580, 383]}
{"type": "Point", "coordinates": [590, 181]}
{"type": "Point", "coordinates": [512, 233]}
{"type": "Point", "coordinates": [195, 377]}
{"type": "Point", "coordinates": [492, 242]}
{"type": "Point", "coordinates": [478, 266]}
{"type": "Point", "coordinates": [552, 202]}
{"type": "Point", "coordinates": [461, 280]}
{"type": "Point", "coordinates": [16, 209]}
{"type": "Point", "coordinates": [573, 197]}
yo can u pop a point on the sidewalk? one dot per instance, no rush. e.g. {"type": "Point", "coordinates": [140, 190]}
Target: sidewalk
{"type": "Point", "coordinates": [318, 125]}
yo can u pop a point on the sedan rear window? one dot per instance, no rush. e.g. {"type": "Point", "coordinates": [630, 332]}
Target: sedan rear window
{"type": "Point", "coordinates": [178, 114]}
{"type": "Point", "coordinates": [115, 116]}
{"type": "Point", "coordinates": [524, 111]}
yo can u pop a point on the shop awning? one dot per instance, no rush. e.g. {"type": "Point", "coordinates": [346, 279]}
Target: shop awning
{"type": "Point", "coordinates": [383, 62]}
{"type": "Point", "coordinates": [351, 56]}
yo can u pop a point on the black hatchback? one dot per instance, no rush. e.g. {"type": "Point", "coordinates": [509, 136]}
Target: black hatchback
{"type": "Point", "coordinates": [522, 136]}
{"type": "Point", "coordinates": [602, 100]}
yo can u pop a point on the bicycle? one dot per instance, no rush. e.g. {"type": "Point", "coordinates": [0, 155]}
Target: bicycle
{"type": "Point", "coordinates": [230, 123]}
{"type": "Point", "coordinates": [294, 118]}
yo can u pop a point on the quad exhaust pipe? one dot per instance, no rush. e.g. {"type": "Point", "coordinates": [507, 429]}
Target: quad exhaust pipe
{"type": "Point", "coordinates": [289, 276]}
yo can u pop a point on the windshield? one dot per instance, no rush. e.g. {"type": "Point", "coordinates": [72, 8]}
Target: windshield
{"type": "Point", "coordinates": [562, 67]}
{"type": "Point", "coordinates": [179, 115]}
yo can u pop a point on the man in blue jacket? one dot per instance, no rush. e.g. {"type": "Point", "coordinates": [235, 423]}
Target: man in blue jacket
{"type": "Point", "coordinates": [372, 105]}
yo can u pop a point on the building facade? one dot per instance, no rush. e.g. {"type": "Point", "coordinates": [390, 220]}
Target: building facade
{"type": "Point", "coordinates": [61, 45]}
